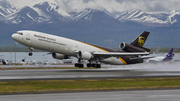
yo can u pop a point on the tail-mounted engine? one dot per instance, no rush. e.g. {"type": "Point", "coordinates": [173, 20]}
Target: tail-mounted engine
{"type": "Point", "coordinates": [84, 55]}
{"type": "Point", "coordinates": [130, 48]}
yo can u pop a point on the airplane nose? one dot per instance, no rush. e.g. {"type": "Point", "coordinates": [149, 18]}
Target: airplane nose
{"type": "Point", "coordinates": [14, 36]}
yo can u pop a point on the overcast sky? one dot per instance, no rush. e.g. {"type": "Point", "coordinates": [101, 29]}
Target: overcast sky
{"type": "Point", "coordinates": [110, 5]}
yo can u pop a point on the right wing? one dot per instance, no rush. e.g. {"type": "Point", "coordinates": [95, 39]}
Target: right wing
{"type": "Point", "coordinates": [120, 53]}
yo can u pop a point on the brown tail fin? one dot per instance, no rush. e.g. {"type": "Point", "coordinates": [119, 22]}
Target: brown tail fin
{"type": "Point", "coordinates": [140, 40]}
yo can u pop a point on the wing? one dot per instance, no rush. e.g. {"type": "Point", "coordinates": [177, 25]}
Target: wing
{"type": "Point", "coordinates": [119, 53]}
{"type": "Point", "coordinates": [142, 57]}
{"type": "Point", "coordinates": [131, 55]}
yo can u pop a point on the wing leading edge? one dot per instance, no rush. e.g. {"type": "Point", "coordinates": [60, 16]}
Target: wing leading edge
{"type": "Point", "coordinates": [120, 53]}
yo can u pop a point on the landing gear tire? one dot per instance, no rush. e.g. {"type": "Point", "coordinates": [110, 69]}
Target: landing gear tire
{"type": "Point", "coordinates": [31, 49]}
{"type": "Point", "coordinates": [96, 65]}
{"type": "Point", "coordinates": [30, 54]}
{"type": "Point", "coordinates": [79, 65]}
{"type": "Point", "coordinates": [89, 65]}
{"type": "Point", "coordinates": [76, 64]}
{"type": "Point", "coordinates": [93, 65]}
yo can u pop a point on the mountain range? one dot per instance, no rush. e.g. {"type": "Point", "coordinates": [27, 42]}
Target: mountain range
{"type": "Point", "coordinates": [96, 26]}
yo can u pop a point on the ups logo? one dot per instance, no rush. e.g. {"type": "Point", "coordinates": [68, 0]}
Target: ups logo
{"type": "Point", "coordinates": [141, 41]}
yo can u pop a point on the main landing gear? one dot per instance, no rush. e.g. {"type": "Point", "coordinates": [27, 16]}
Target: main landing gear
{"type": "Point", "coordinates": [88, 65]}
{"type": "Point", "coordinates": [80, 65]}
{"type": "Point", "coordinates": [94, 65]}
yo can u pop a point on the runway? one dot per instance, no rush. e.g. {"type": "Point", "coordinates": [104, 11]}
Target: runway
{"type": "Point", "coordinates": [113, 72]}
{"type": "Point", "coordinates": [108, 72]}
{"type": "Point", "coordinates": [135, 95]}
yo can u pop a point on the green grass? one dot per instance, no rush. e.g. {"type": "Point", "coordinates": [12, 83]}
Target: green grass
{"type": "Point", "coordinates": [73, 85]}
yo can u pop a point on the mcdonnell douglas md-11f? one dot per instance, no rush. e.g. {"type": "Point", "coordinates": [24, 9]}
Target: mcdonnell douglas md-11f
{"type": "Point", "coordinates": [169, 56]}
{"type": "Point", "coordinates": [63, 48]}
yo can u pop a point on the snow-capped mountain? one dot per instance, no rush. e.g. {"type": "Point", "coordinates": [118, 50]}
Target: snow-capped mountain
{"type": "Point", "coordinates": [97, 24]}
{"type": "Point", "coordinates": [147, 18]}
{"type": "Point", "coordinates": [86, 14]}
{"type": "Point", "coordinates": [89, 15]}
{"type": "Point", "coordinates": [6, 8]}
{"type": "Point", "coordinates": [43, 12]}
{"type": "Point", "coordinates": [51, 13]}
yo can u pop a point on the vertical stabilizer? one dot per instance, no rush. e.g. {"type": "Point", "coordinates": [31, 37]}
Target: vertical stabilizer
{"type": "Point", "coordinates": [169, 56]}
{"type": "Point", "coordinates": [170, 52]}
{"type": "Point", "coordinates": [140, 40]}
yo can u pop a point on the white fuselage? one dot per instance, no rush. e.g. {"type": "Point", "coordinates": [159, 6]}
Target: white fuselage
{"type": "Point", "coordinates": [59, 45]}
{"type": "Point", "coordinates": [157, 59]}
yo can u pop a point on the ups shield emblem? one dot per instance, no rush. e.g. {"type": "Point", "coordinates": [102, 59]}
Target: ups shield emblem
{"type": "Point", "coordinates": [141, 41]}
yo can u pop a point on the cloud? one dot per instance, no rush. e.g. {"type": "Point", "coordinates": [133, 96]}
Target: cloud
{"type": "Point", "coordinates": [110, 5]}
{"type": "Point", "coordinates": [22, 3]}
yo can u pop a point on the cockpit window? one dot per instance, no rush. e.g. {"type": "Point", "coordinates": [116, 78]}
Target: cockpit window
{"type": "Point", "coordinates": [20, 33]}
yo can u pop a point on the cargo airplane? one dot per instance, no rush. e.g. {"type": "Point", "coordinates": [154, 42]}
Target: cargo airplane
{"type": "Point", "coordinates": [63, 48]}
{"type": "Point", "coordinates": [169, 56]}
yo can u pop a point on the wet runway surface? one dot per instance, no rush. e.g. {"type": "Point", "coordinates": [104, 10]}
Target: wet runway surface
{"type": "Point", "coordinates": [106, 72]}
{"type": "Point", "coordinates": [135, 95]}
{"type": "Point", "coordinates": [73, 74]}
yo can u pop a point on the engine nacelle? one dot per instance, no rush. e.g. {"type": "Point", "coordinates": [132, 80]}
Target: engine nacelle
{"type": "Point", "coordinates": [84, 55]}
{"type": "Point", "coordinates": [59, 56]}
{"type": "Point", "coordinates": [130, 48]}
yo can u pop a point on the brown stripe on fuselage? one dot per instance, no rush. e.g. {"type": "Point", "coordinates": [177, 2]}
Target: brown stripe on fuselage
{"type": "Point", "coordinates": [126, 59]}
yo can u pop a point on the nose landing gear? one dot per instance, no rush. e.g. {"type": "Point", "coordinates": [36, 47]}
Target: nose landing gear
{"type": "Point", "coordinates": [31, 48]}
{"type": "Point", "coordinates": [30, 54]}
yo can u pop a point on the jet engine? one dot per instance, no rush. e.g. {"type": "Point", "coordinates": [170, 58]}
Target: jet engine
{"type": "Point", "coordinates": [84, 55]}
{"type": "Point", "coordinates": [59, 56]}
{"type": "Point", "coordinates": [130, 48]}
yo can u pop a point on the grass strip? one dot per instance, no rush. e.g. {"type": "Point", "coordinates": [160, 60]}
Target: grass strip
{"type": "Point", "coordinates": [73, 85]}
